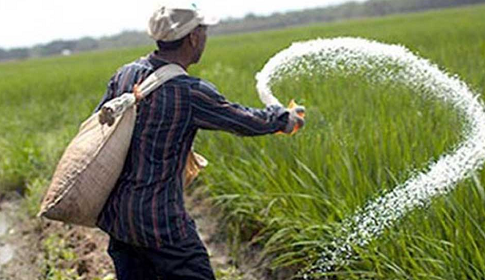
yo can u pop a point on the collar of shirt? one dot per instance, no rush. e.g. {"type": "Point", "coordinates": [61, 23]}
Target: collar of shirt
{"type": "Point", "coordinates": [156, 60]}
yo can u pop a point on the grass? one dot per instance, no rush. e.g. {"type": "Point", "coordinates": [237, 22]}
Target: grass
{"type": "Point", "coordinates": [288, 193]}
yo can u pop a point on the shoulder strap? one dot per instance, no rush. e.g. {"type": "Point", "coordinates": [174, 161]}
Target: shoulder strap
{"type": "Point", "coordinates": [117, 106]}
{"type": "Point", "coordinates": [159, 77]}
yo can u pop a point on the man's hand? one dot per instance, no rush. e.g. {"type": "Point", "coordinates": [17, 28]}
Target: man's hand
{"type": "Point", "coordinates": [295, 119]}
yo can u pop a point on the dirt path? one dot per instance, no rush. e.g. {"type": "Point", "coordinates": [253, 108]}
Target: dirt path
{"type": "Point", "coordinates": [6, 250]}
{"type": "Point", "coordinates": [30, 248]}
{"type": "Point", "coordinates": [19, 258]}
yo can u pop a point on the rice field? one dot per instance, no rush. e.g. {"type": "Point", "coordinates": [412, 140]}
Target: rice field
{"type": "Point", "coordinates": [289, 194]}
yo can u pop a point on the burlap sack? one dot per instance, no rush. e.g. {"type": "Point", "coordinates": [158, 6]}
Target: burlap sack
{"type": "Point", "coordinates": [93, 161]}
{"type": "Point", "coordinates": [88, 170]}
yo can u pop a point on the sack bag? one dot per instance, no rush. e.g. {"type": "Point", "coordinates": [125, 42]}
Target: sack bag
{"type": "Point", "coordinates": [93, 161]}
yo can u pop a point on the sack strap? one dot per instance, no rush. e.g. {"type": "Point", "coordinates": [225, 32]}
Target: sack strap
{"type": "Point", "coordinates": [117, 106]}
{"type": "Point", "coordinates": [158, 78]}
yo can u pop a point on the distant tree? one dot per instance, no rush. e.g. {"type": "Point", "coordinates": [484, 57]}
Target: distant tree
{"type": "Point", "coordinates": [57, 47]}
{"type": "Point", "coordinates": [85, 44]}
{"type": "Point", "coordinates": [18, 53]}
{"type": "Point", "coordinates": [250, 16]}
{"type": "Point", "coordinates": [3, 54]}
{"type": "Point", "coordinates": [125, 39]}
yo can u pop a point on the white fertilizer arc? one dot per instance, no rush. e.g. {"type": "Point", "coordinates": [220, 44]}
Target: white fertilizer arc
{"type": "Point", "coordinates": [380, 62]}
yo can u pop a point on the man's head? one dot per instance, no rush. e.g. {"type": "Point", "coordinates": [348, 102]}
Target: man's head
{"type": "Point", "coordinates": [180, 29]}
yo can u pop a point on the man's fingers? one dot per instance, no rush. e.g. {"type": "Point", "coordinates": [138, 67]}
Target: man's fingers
{"type": "Point", "coordinates": [300, 110]}
{"type": "Point", "coordinates": [300, 122]}
{"type": "Point", "coordinates": [295, 119]}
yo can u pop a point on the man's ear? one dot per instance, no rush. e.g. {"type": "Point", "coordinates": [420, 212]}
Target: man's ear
{"type": "Point", "coordinates": [193, 39]}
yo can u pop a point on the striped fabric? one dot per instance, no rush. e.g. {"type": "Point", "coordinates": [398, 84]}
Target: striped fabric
{"type": "Point", "coordinates": [146, 208]}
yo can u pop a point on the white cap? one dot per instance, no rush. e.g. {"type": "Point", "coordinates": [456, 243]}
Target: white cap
{"type": "Point", "coordinates": [173, 22]}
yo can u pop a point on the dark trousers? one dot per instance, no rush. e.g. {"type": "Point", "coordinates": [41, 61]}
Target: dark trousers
{"type": "Point", "coordinates": [186, 260]}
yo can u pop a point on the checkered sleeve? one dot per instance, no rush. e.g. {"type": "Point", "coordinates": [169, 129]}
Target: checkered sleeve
{"type": "Point", "coordinates": [212, 111]}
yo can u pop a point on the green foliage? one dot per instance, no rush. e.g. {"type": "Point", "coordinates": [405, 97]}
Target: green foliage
{"type": "Point", "coordinates": [288, 193]}
{"type": "Point", "coordinates": [33, 196]}
{"type": "Point", "coordinates": [228, 274]}
{"type": "Point", "coordinates": [60, 262]}
{"type": "Point", "coordinates": [57, 252]}
{"type": "Point", "coordinates": [107, 277]}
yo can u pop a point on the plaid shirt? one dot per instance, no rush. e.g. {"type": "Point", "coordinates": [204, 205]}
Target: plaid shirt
{"type": "Point", "coordinates": [146, 208]}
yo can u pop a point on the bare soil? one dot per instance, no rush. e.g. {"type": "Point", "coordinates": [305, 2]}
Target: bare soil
{"type": "Point", "coordinates": [23, 238]}
{"type": "Point", "coordinates": [27, 237]}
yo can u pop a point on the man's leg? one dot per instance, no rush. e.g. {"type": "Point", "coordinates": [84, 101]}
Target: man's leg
{"type": "Point", "coordinates": [128, 263]}
{"type": "Point", "coordinates": [187, 259]}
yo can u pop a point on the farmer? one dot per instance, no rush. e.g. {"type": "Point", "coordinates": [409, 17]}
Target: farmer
{"type": "Point", "coordinates": [151, 234]}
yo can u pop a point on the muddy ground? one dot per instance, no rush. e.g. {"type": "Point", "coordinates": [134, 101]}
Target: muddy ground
{"type": "Point", "coordinates": [35, 249]}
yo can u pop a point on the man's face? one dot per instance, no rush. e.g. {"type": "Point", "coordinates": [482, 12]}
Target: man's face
{"type": "Point", "coordinates": [198, 41]}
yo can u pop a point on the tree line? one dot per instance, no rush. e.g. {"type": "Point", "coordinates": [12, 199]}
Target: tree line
{"type": "Point", "coordinates": [250, 23]}
{"type": "Point", "coordinates": [370, 8]}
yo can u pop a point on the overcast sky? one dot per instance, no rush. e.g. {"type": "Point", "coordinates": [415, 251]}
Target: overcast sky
{"type": "Point", "coordinates": [28, 22]}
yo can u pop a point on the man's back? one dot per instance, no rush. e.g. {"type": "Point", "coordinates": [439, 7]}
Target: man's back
{"type": "Point", "coordinates": [146, 208]}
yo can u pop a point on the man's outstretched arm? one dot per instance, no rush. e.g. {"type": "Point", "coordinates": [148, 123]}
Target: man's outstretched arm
{"type": "Point", "coordinates": [212, 111]}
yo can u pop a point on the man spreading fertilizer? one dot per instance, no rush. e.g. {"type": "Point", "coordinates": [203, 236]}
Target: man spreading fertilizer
{"type": "Point", "coordinates": [152, 236]}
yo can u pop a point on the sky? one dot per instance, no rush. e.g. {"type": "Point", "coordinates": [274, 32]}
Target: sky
{"type": "Point", "coordinates": [24, 23]}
